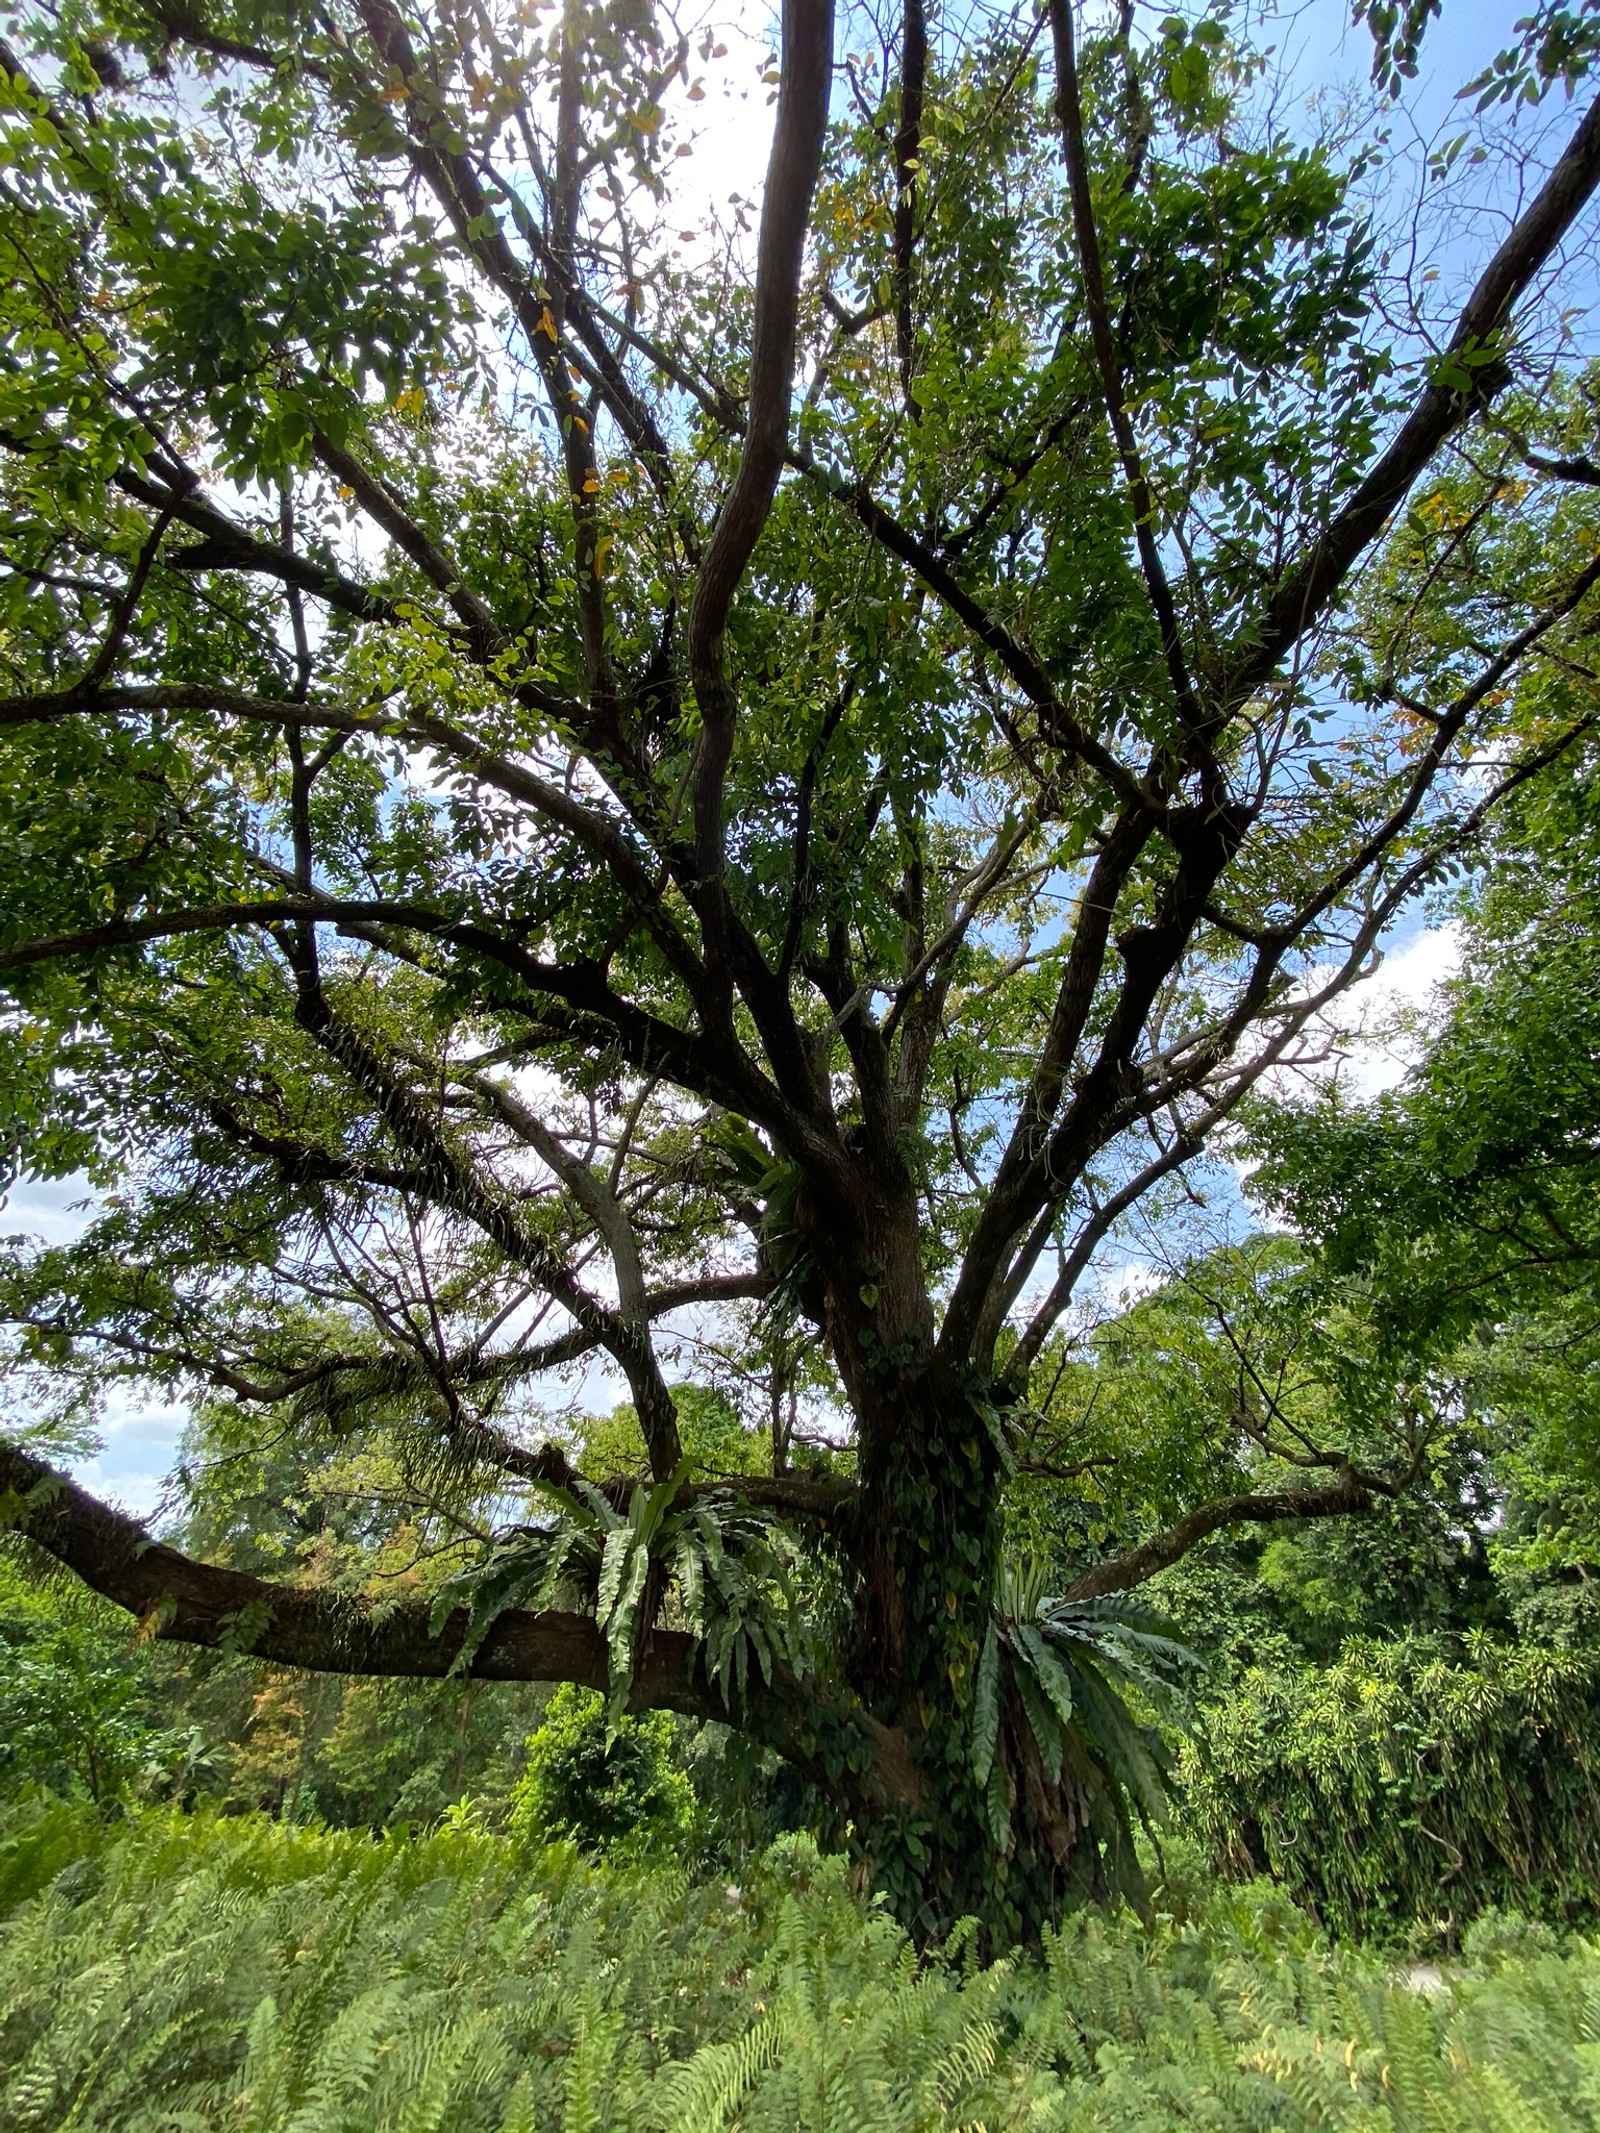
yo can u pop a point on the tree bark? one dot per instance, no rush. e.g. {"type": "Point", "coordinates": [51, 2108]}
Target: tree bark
{"type": "Point", "coordinates": [842, 1748]}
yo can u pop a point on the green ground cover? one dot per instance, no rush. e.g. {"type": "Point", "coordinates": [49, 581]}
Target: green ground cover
{"type": "Point", "coordinates": [243, 1975]}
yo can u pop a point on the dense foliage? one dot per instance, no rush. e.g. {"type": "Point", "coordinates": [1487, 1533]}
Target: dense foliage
{"type": "Point", "coordinates": [176, 1973]}
{"type": "Point", "coordinates": [1405, 1783]}
{"type": "Point", "coordinates": [89, 1710]}
{"type": "Point", "coordinates": [603, 1787]}
{"type": "Point", "coordinates": [1446, 1757]}
{"type": "Point", "coordinates": [1397, 1720]}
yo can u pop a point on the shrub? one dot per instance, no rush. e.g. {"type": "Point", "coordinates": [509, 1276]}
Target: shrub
{"type": "Point", "coordinates": [1409, 1783]}
{"type": "Point", "coordinates": [599, 1792]}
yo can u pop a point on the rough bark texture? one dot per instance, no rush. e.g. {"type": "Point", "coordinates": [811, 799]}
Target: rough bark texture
{"type": "Point", "coordinates": [183, 1601]}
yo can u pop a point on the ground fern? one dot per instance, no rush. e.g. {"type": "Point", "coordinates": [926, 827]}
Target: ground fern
{"type": "Point", "coordinates": [177, 1974]}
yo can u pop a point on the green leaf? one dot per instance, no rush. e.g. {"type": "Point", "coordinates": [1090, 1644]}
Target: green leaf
{"type": "Point", "coordinates": [1048, 1669]}
{"type": "Point", "coordinates": [986, 1708]}
{"type": "Point", "coordinates": [1042, 1720]}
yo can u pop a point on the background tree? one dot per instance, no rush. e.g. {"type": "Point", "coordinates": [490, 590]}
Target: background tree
{"type": "Point", "coordinates": [602, 1789]}
{"type": "Point", "coordinates": [549, 788]}
{"type": "Point", "coordinates": [1399, 1719]}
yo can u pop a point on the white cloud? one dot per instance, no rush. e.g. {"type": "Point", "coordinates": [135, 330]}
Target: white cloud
{"type": "Point", "coordinates": [1369, 1038]}
{"type": "Point", "coordinates": [1387, 1040]}
{"type": "Point", "coordinates": [53, 1210]}
{"type": "Point", "coordinates": [141, 1433]}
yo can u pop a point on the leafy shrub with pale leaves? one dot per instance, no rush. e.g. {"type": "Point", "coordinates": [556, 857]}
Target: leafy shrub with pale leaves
{"type": "Point", "coordinates": [176, 1974]}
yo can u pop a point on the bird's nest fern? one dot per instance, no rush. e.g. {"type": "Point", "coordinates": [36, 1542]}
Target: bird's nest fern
{"type": "Point", "coordinates": [1051, 1724]}
{"type": "Point", "coordinates": [723, 1569]}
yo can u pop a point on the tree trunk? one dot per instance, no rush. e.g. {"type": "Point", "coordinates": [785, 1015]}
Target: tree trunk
{"type": "Point", "coordinates": [924, 1546]}
{"type": "Point", "coordinates": [927, 1551]}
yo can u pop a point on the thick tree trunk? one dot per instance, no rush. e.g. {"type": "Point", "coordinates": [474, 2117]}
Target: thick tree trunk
{"type": "Point", "coordinates": [928, 1560]}
{"type": "Point", "coordinates": [928, 1547]}
{"type": "Point", "coordinates": [924, 1544]}
{"type": "Point", "coordinates": [897, 1770]}
{"type": "Point", "coordinates": [924, 1540]}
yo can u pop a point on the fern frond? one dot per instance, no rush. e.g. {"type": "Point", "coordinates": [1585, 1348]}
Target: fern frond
{"type": "Point", "coordinates": [700, 2094]}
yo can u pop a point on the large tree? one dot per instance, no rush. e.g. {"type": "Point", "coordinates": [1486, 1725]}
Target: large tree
{"type": "Point", "coordinates": [559, 776]}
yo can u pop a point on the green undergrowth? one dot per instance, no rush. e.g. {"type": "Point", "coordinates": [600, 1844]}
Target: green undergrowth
{"type": "Point", "coordinates": [242, 1975]}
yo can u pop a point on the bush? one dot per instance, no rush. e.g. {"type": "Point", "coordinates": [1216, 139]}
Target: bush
{"type": "Point", "coordinates": [1409, 1785]}
{"type": "Point", "coordinates": [79, 1699]}
{"type": "Point", "coordinates": [600, 1794]}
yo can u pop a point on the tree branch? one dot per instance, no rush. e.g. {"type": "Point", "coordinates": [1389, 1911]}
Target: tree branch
{"type": "Point", "coordinates": [1348, 1497]}
{"type": "Point", "coordinates": [438, 568]}
{"type": "Point", "coordinates": [190, 1602]}
{"type": "Point", "coordinates": [1069, 106]}
{"type": "Point", "coordinates": [907, 177]}
{"type": "Point", "coordinates": [227, 546]}
{"type": "Point", "coordinates": [595, 1011]}
{"type": "Point", "coordinates": [785, 214]}
{"type": "Point", "coordinates": [456, 1182]}
{"type": "Point", "coordinates": [1061, 727]}
{"type": "Point", "coordinates": [1446, 403]}
{"type": "Point", "coordinates": [214, 918]}
{"type": "Point", "coordinates": [587, 1187]}
{"type": "Point", "coordinates": [187, 1602]}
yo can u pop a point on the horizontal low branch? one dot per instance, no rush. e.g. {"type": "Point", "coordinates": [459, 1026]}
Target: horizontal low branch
{"type": "Point", "coordinates": [183, 1601]}
{"type": "Point", "coordinates": [190, 1602]}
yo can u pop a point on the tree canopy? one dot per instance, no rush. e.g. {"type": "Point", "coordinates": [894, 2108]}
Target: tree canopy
{"type": "Point", "coordinates": [574, 794]}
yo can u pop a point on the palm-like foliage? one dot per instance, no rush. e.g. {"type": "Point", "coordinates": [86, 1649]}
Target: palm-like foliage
{"type": "Point", "coordinates": [728, 1568]}
{"type": "Point", "coordinates": [1051, 1721]}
